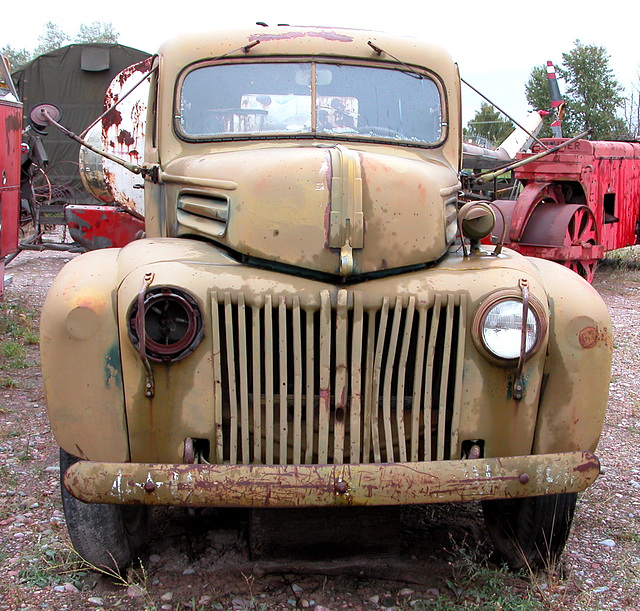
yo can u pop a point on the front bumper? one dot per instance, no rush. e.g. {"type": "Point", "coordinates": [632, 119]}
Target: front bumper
{"type": "Point", "coordinates": [204, 485]}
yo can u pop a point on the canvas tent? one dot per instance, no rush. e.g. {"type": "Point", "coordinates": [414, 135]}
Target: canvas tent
{"type": "Point", "coordinates": [74, 78]}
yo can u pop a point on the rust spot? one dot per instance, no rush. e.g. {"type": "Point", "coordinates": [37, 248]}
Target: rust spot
{"type": "Point", "coordinates": [588, 466]}
{"type": "Point", "coordinates": [588, 337]}
{"type": "Point", "coordinates": [113, 117]}
{"type": "Point", "coordinates": [125, 137]}
{"type": "Point", "coordinates": [334, 36]}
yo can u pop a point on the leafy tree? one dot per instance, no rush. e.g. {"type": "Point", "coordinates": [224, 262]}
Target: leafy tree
{"type": "Point", "coordinates": [52, 38]}
{"type": "Point", "coordinates": [55, 37]}
{"type": "Point", "coordinates": [593, 95]}
{"type": "Point", "coordinates": [488, 124]}
{"type": "Point", "coordinates": [97, 32]}
{"type": "Point", "coordinates": [17, 57]}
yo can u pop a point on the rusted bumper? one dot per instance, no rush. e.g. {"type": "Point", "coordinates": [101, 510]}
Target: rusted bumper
{"type": "Point", "coordinates": [327, 485]}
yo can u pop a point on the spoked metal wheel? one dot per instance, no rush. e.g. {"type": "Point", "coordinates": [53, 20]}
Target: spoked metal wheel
{"type": "Point", "coordinates": [565, 225]}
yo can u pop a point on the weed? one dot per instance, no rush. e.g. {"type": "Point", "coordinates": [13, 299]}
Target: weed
{"type": "Point", "coordinates": [134, 580]}
{"type": "Point", "coordinates": [14, 355]}
{"type": "Point", "coordinates": [8, 477]}
{"type": "Point", "coordinates": [25, 455]}
{"type": "Point", "coordinates": [18, 329]}
{"type": "Point", "coordinates": [474, 584]}
{"type": "Point", "coordinates": [8, 382]}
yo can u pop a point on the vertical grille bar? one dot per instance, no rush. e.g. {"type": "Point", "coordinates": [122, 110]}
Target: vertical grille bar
{"type": "Point", "coordinates": [310, 392]}
{"type": "Point", "coordinates": [390, 367]}
{"type": "Point", "coordinates": [459, 367]}
{"type": "Point", "coordinates": [297, 383]}
{"type": "Point", "coordinates": [417, 382]}
{"type": "Point", "coordinates": [256, 340]}
{"type": "Point", "coordinates": [217, 379]}
{"type": "Point", "coordinates": [268, 378]}
{"type": "Point", "coordinates": [368, 387]}
{"type": "Point", "coordinates": [341, 377]}
{"type": "Point", "coordinates": [377, 373]}
{"type": "Point", "coordinates": [231, 379]}
{"type": "Point", "coordinates": [356, 378]}
{"type": "Point", "coordinates": [324, 390]}
{"type": "Point", "coordinates": [402, 371]}
{"type": "Point", "coordinates": [428, 376]}
{"type": "Point", "coordinates": [444, 378]}
{"type": "Point", "coordinates": [244, 385]}
{"type": "Point", "coordinates": [282, 354]}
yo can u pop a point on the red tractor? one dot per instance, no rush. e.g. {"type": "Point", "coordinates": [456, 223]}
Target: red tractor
{"type": "Point", "coordinates": [576, 204]}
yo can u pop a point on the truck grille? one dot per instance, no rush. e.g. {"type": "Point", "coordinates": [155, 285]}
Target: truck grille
{"type": "Point", "coordinates": [336, 382]}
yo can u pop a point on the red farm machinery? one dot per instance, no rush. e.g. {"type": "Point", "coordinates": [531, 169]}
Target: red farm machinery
{"type": "Point", "coordinates": [576, 203]}
{"type": "Point", "coordinates": [10, 136]}
{"type": "Point", "coordinates": [573, 199]}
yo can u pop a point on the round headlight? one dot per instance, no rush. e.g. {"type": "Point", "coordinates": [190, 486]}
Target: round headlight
{"type": "Point", "coordinates": [498, 327]}
{"type": "Point", "coordinates": [172, 324]}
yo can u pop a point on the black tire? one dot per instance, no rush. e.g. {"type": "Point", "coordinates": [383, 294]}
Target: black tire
{"type": "Point", "coordinates": [108, 537]}
{"type": "Point", "coordinates": [530, 532]}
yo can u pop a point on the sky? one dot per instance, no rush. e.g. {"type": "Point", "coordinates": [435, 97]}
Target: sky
{"type": "Point", "coordinates": [496, 43]}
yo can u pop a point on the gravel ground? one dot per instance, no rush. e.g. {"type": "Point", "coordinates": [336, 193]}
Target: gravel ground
{"type": "Point", "coordinates": [203, 563]}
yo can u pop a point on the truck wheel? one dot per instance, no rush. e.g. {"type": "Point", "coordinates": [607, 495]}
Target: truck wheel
{"type": "Point", "coordinates": [530, 532]}
{"type": "Point", "coordinates": [108, 537]}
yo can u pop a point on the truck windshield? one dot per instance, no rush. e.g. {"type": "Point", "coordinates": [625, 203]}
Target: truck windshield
{"type": "Point", "coordinates": [314, 99]}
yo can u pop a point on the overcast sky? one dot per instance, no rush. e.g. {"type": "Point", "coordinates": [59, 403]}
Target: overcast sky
{"type": "Point", "coordinates": [495, 43]}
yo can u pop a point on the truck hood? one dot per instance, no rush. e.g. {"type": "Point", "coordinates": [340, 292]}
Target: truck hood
{"type": "Point", "coordinates": [327, 209]}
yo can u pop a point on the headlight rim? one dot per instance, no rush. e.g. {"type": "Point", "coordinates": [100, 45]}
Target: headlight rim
{"type": "Point", "coordinates": [187, 344]}
{"type": "Point", "coordinates": [539, 312]}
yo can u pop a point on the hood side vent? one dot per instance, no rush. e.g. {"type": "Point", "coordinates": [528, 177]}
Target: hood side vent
{"type": "Point", "coordinates": [203, 213]}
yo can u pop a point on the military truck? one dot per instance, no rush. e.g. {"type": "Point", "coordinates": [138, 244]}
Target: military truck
{"type": "Point", "coordinates": [311, 318]}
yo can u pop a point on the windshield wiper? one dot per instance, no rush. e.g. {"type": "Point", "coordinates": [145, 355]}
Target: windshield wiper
{"type": "Point", "coordinates": [412, 71]}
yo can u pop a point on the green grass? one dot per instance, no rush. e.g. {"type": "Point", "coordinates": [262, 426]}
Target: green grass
{"type": "Point", "coordinates": [626, 258]}
{"type": "Point", "coordinates": [13, 355]}
{"type": "Point", "coordinates": [18, 330]}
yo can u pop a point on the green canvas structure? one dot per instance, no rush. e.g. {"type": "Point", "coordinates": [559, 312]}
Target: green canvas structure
{"type": "Point", "coordinates": [75, 79]}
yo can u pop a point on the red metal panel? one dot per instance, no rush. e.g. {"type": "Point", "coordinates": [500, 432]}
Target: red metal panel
{"type": "Point", "coordinates": [10, 136]}
{"type": "Point", "coordinates": [102, 226]}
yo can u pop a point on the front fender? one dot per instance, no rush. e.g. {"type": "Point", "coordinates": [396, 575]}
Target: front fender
{"type": "Point", "coordinates": [578, 366]}
{"type": "Point", "coordinates": [81, 364]}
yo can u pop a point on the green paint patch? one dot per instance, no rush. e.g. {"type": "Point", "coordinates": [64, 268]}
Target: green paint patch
{"type": "Point", "coordinates": [113, 368]}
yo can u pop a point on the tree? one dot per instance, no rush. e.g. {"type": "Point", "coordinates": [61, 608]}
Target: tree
{"type": "Point", "coordinates": [17, 57]}
{"type": "Point", "coordinates": [97, 32]}
{"type": "Point", "coordinates": [593, 95]}
{"type": "Point", "coordinates": [55, 37]}
{"type": "Point", "coordinates": [487, 124]}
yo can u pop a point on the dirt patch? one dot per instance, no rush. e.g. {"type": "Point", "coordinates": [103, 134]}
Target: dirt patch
{"type": "Point", "coordinates": [200, 559]}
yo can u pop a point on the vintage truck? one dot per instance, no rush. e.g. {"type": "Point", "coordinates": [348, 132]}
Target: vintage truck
{"type": "Point", "coordinates": [311, 318]}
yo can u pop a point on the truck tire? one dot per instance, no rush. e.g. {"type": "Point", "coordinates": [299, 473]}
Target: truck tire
{"type": "Point", "coordinates": [530, 532]}
{"type": "Point", "coordinates": [108, 537]}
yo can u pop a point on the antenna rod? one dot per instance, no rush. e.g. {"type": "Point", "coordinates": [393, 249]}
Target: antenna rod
{"type": "Point", "coordinates": [526, 131]}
